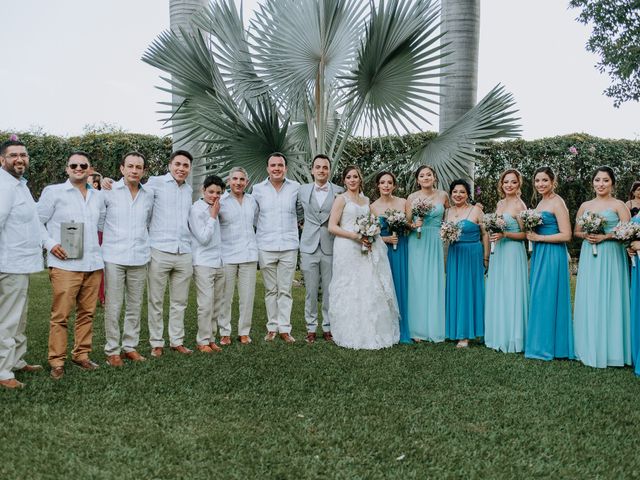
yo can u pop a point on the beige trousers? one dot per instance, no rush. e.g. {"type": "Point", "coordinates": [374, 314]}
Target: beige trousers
{"type": "Point", "coordinates": [210, 293]}
{"type": "Point", "coordinates": [246, 275]}
{"type": "Point", "coordinates": [278, 269]}
{"type": "Point", "coordinates": [13, 322]}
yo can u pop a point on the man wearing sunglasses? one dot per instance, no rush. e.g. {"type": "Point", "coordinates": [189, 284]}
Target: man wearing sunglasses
{"type": "Point", "coordinates": [75, 281]}
{"type": "Point", "coordinates": [21, 239]}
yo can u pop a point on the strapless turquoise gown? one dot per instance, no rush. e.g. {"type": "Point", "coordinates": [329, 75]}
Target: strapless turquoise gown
{"type": "Point", "coordinates": [601, 319]}
{"type": "Point", "coordinates": [400, 273]}
{"type": "Point", "coordinates": [465, 285]}
{"type": "Point", "coordinates": [549, 328]}
{"type": "Point", "coordinates": [507, 297]}
{"type": "Point", "coordinates": [425, 307]}
{"type": "Point", "coordinates": [635, 310]}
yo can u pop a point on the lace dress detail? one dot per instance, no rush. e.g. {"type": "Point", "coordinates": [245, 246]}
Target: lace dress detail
{"type": "Point", "coordinates": [363, 311]}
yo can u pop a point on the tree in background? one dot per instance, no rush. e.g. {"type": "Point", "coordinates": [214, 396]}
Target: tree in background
{"type": "Point", "coordinates": [616, 39]}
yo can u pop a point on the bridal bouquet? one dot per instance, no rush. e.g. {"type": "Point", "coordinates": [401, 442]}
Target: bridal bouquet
{"type": "Point", "coordinates": [592, 223]}
{"type": "Point", "coordinates": [530, 219]}
{"type": "Point", "coordinates": [367, 226]}
{"type": "Point", "coordinates": [397, 223]}
{"type": "Point", "coordinates": [627, 232]}
{"type": "Point", "coordinates": [494, 223]}
{"type": "Point", "coordinates": [450, 232]}
{"type": "Point", "coordinates": [420, 207]}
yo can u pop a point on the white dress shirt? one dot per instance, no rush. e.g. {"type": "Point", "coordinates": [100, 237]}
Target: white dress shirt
{"type": "Point", "coordinates": [64, 203]}
{"type": "Point", "coordinates": [277, 218]}
{"type": "Point", "coordinates": [205, 236]}
{"type": "Point", "coordinates": [320, 192]}
{"type": "Point", "coordinates": [236, 229]}
{"type": "Point", "coordinates": [169, 229]}
{"type": "Point", "coordinates": [22, 235]}
{"type": "Point", "coordinates": [125, 237]}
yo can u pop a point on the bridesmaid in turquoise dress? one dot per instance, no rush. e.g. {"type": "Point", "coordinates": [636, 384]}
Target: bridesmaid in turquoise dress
{"type": "Point", "coordinates": [601, 320]}
{"type": "Point", "coordinates": [425, 307]}
{"type": "Point", "coordinates": [549, 329]}
{"type": "Point", "coordinates": [507, 290]}
{"type": "Point", "coordinates": [397, 245]}
{"type": "Point", "coordinates": [635, 302]}
{"type": "Point", "coordinates": [466, 261]}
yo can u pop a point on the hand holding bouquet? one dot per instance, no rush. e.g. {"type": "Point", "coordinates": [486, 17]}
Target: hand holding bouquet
{"type": "Point", "coordinates": [494, 223]}
{"type": "Point", "coordinates": [530, 219]}
{"type": "Point", "coordinates": [397, 222]}
{"type": "Point", "coordinates": [420, 207]}
{"type": "Point", "coordinates": [627, 232]}
{"type": "Point", "coordinates": [450, 232]}
{"type": "Point", "coordinates": [592, 223]}
{"type": "Point", "coordinates": [368, 227]}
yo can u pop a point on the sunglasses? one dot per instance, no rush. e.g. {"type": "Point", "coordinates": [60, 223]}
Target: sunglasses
{"type": "Point", "coordinates": [83, 166]}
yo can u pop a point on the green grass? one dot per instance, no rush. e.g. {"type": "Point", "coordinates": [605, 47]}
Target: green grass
{"type": "Point", "coordinates": [300, 411]}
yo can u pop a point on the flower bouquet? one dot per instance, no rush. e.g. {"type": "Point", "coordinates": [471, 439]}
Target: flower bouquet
{"type": "Point", "coordinates": [530, 219]}
{"type": "Point", "coordinates": [367, 226]}
{"type": "Point", "coordinates": [627, 232]}
{"type": "Point", "coordinates": [420, 207]}
{"type": "Point", "coordinates": [450, 232]}
{"type": "Point", "coordinates": [397, 222]}
{"type": "Point", "coordinates": [494, 223]}
{"type": "Point", "coordinates": [592, 223]}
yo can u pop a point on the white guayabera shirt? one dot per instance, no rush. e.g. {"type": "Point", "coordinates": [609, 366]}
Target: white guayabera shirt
{"type": "Point", "coordinates": [205, 236]}
{"type": "Point", "coordinates": [236, 229]}
{"type": "Point", "coordinates": [277, 218]}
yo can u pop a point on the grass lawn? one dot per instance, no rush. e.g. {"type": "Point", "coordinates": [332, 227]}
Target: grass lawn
{"type": "Point", "coordinates": [300, 411]}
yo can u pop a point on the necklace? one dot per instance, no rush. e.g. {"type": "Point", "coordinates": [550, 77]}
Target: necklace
{"type": "Point", "coordinates": [457, 212]}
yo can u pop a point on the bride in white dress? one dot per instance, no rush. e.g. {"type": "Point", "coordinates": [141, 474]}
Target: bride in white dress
{"type": "Point", "coordinates": [363, 309]}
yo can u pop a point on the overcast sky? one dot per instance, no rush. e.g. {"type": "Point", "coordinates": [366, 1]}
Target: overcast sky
{"type": "Point", "coordinates": [70, 63]}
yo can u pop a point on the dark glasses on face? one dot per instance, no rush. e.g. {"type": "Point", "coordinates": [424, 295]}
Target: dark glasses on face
{"type": "Point", "coordinates": [83, 166]}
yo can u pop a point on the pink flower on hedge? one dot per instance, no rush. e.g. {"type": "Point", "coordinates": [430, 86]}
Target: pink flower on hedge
{"type": "Point", "coordinates": [573, 150]}
{"type": "Point", "coordinates": [13, 137]}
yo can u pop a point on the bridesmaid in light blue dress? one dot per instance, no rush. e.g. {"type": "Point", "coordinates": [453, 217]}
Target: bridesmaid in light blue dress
{"type": "Point", "coordinates": [397, 245]}
{"type": "Point", "coordinates": [601, 319]}
{"type": "Point", "coordinates": [425, 306]}
{"type": "Point", "coordinates": [507, 290]}
{"type": "Point", "coordinates": [466, 261]}
{"type": "Point", "coordinates": [635, 302]}
{"type": "Point", "coordinates": [549, 332]}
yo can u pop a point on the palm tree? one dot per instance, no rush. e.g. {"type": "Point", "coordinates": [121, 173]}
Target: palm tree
{"type": "Point", "coordinates": [306, 75]}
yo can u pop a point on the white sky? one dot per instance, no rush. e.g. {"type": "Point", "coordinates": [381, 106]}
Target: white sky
{"type": "Point", "coordinates": [69, 63]}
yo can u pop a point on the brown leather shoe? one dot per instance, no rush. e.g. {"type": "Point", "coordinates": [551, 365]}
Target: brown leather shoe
{"type": "Point", "coordinates": [226, 340]}
{"type": "Point", "coordinates": [133, 356]}
{"type": "Point", "coordinates": [214, 347]}
{"type": "Point", "coordinates": [157, 352]}
{"type": "Point", "coordinates": [310, 338]}
{"type": "Point", "coordinates": [244, 339]}
{"type": "Point", "coordinates": [270, 337]}
{"type": "Point", "coordinates": [11, 384]}
{"type": "Point", "coordinates": [287, 338]}
{"type": "Point", "coordinates": [204, 348]}
{"type": "Point", "coordinates": [30, 368]}
{"type": "Point", "coordinates": [181, 349]}
{"type": "Point", "coordinates": [57, 373]}
{"type": "Point", "coordinates": [115, 361]}
{"type": "Point", "coordinates": [327, 336]}
{"type": "Point", "coordinates": [85, 364]}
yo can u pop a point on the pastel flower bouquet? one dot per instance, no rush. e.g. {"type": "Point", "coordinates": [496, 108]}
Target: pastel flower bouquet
{"type": "Point", "coordinates": [397, 222]}
{"type": "Point", "coordinates": [627, 232]}
{"type": "Point", "coordinates": [494, 223]}
{"type": "Point", "coordinates": [592, 223]}
{"type": "Point", "coordinates": [450, 232]}
{"type": "Point", "coordinates": [420, 207]}
{"type": "Point", "coordinates": [368, 227]}
{"type": "Point", "coordinates": [530, 219]}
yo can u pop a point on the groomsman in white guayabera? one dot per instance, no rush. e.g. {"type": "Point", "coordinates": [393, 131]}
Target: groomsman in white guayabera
{"type": "Point", "coordinates": [277, 236]}
{"type": "Point", "coordinates": [21, 241]}
{"type": "Point", "coordinates": [75, 276]}
{"type": "Point", "coordinates": [316, 244]}
{"type": "Point", "coordinates": [237, 216]}
{"type": "Point", "coordinates": [126, 253]}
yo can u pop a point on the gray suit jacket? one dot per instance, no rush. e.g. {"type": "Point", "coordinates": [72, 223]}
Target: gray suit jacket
{"type": "Point", "coordinates": [316, 219]}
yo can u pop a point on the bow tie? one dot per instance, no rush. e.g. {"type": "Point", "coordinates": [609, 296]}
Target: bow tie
{"type": "Point", "coordinates": [322, 189]}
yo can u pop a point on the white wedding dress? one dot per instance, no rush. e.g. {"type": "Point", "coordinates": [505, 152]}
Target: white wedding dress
{"type": "Point", "coordinates": [363, 307]}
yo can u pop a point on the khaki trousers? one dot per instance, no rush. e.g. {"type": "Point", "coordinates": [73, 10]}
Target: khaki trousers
{"type": "Point", "coordinates": [13, 322]}
{"type": "Point", "coordinates": [177, 269]}
{"type": "Point", "coordinates": [277, 270]}
{"type": "Point", "coordinates": [123, 283]}
{"type": "Point", "coordinates": [246, 274]}
{"type": "Point", "coordinates": [71, 290]}
{"type": "Point", "coordinates": [210, 293]}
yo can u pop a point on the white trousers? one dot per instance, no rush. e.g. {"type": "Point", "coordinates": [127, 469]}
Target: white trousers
{"type": "Point", "coordinates": [277, 270]}
{"type": "Point", "coordinates": [316, 268]}
{"type": "Point", "coordinates": [13, 322]}
{"type": "Point", "coordinates": [246, 275]}
{"type": "Point", "coordinates": [210, 293]}
{"type": "Point", "coordinates": [177, 269]}
{"type": "Point", "coordinates": [122, 283]}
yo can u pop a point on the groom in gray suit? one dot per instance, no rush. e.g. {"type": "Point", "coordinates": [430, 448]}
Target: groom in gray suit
{"type": "Point", "coordinates": [316, 243]}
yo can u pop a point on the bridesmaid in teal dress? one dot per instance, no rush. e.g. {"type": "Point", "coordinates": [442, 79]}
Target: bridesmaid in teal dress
{"type": "Point", "coordinates": [549, 329]}
{"type": "Point", "coordinates": [601, 320]}
{"type": "Point", "coordinates": [635, 302]}
{"type": "Point", "coordinates": [507, 290]}
{"type": "Point", "coordinates": [397, 245]}
{"type": "Point", "coordinates": [466, 261]}
{"type": "Point", "coordinates": [425, 307]}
